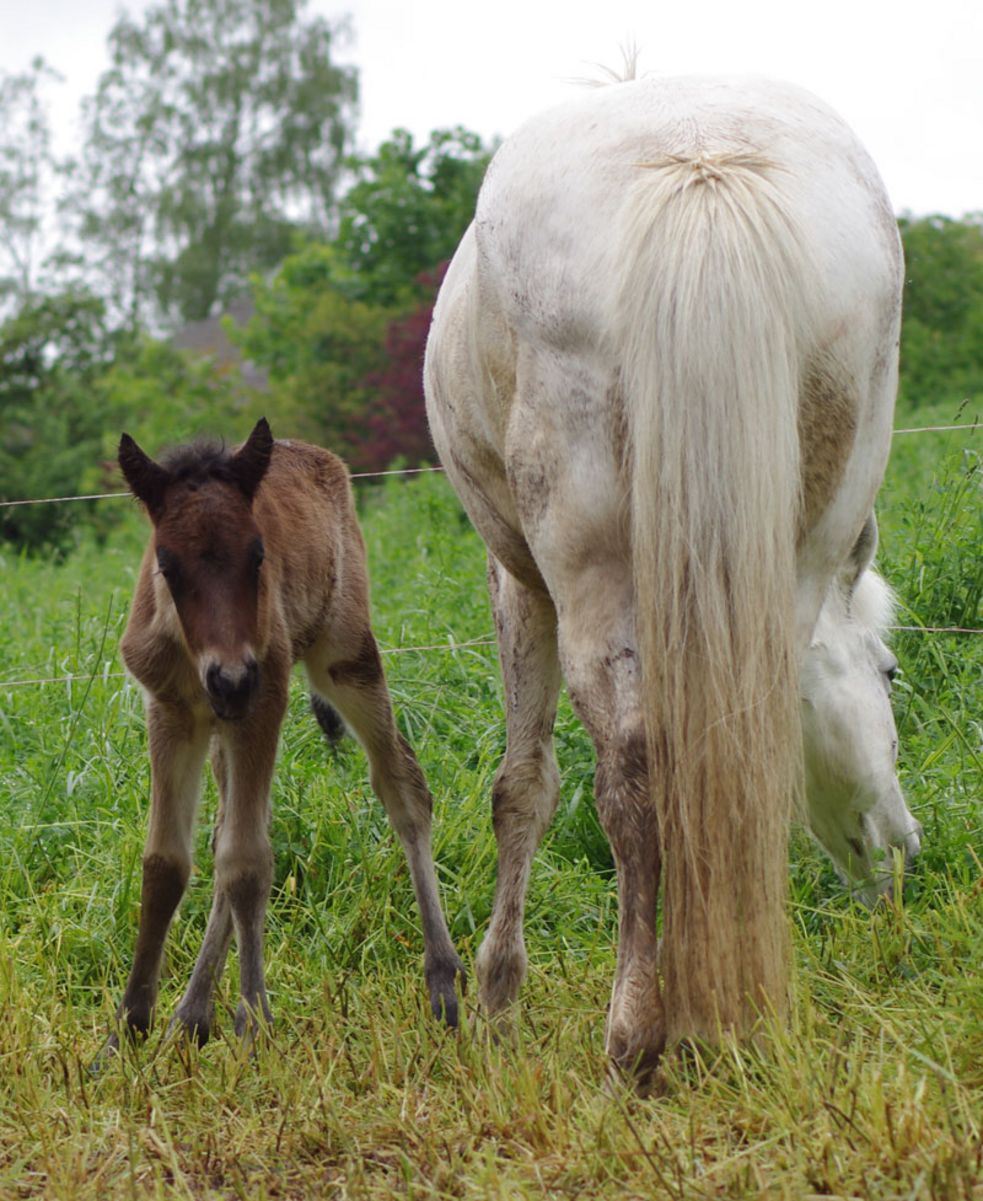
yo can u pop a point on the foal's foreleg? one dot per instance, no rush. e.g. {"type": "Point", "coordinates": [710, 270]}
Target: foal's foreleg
{"type": "Point", "coordinates": [527, 785]}
{"type": "Point", "coordinates": [194, 1013]}
{"type": "Point", "coordinates": [244, 855]}
{"type": "Point", "coordinates": [356, 686]}
{"type": "Point", "coordinates": [177, 751]}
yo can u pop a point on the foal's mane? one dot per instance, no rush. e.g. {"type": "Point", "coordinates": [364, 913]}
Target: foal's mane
{"type": "Point", "coordinates": [199, 462]}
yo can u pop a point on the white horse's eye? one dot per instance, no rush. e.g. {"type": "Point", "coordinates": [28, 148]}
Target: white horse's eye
{"type": "Point", "coordinates": [891, 670]}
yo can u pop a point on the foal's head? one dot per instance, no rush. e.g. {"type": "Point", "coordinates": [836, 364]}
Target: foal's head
{"type": "Point", "coordinates": [209, 551]}
{"type": "Point", "coordinates": [855, 804]}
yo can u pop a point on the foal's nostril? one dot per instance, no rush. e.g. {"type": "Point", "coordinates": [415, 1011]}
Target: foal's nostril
{"type": "Point", "coordinates": [215, 680]}
{"type": "Point", "coordinates": [231, 690]}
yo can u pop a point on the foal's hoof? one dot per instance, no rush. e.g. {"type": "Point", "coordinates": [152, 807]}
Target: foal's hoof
{"type": "Point", "coordinates": [192, 1028]}
{"type": "Point", "coordinates": [109, 1051]}
{"type": "Point", "coordinates": [130, 1032]}
{"type": "Point", "coordinates": [501, 971]}
{"type": "Point", "coordinates": [251, 1023]}
{"type": "Point", "coordinates": [441, 981]}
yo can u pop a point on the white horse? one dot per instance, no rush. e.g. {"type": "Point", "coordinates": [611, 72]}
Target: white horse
{"type": "Point", "coordinates": [855, 807]}
{"type": "Point", "coordinates": [661, 376]}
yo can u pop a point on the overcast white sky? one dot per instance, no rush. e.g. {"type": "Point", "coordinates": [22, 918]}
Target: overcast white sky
{"type": "Point", "coordinates": [908, 77]}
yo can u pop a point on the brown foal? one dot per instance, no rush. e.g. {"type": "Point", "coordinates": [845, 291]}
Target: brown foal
{"type": "Point", "coordinates": [256, 561]}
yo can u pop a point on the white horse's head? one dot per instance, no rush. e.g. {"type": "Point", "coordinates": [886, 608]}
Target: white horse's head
{"type": "Point", "coordinates": [856, 808]}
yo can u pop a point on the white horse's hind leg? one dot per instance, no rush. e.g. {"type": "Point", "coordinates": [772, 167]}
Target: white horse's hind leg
{"type": "Point", "coordinates": [527, 785]}
{"type": "Point", "coordinates": [603, 673]}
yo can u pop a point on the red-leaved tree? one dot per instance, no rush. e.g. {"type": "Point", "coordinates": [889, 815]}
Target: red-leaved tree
{"type": "Point", "coordinates": [396, 420]}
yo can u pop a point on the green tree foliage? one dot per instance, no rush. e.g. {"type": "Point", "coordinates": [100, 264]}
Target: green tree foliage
{"type": "Point", "coordinates": [407, 211]}
{"type": "Point", "coordinates": [318, 345]}
{"type": "Point", "coordinates": [163, 396]}
{"type": "Point", "coordinates": [27, 173]}
{"type": "Point", "coordinates": [942, 335]}
{"type": "Point", "coordinates": [340, 328]}
{"type": "Point", "coordinates": [218, 131]}
{"type": "Point", "coordinates": [68, 388]}
{"type": "Point", "coordinates": [52, 353]}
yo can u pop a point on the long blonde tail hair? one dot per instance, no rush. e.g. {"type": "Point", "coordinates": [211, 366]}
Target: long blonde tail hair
{"type": "Point", "coordinates": [709, 315]}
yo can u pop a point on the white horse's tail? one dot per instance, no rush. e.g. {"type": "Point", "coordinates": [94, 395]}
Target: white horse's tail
{"type": "Point", "coordinates": [708, 312]}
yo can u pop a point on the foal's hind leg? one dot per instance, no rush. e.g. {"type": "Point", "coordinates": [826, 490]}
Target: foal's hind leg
{"type": "Point", "coordinates": [527, 785]}
{"type": "Point", "coordinates": [350, 676]}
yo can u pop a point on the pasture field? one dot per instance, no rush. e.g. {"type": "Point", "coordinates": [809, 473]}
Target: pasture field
{"type": "Point", "coordinates": [875, 1090]}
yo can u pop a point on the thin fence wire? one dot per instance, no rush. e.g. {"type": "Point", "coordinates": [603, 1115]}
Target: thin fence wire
{"type": "Point", "coordinates": [374, 475]}
{"type": "Point", "coordinates": [939, 429]}
{"type": "Point", "coordinates": [56, 500]}
{"type": "Point", "coordinates": [936, 629]}
{"type": "Point", "coordinates": [447, 647]}
{"type": "Point", "coordinates": [405, 650]}
{"type": "Point", "coordinates": [452, 647]}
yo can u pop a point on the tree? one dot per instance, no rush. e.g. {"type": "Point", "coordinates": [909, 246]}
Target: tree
{"type": "Point", "coordinates": [400, 223]}
{"type": "Point", "coordinates": [396, 417]}
{"type": "Point", "coordinates": [52, 353]}
{"type": "Point", "coordinates": [163, 396]}
{"type": "Point", "coordinates": [942, 333]}
{"type": "Point", "coordinates": [342, 326]}
{"type": "Point", "coordinates": [27, 172]}
{"type": "Point", "coordinates": [218, 131]}
{"type": "Point", "coordinates": [319, 346]}
{"type": "Point", "coordinates": [69, 387]}
{"type": "Point", "coordinates": [407, 211]}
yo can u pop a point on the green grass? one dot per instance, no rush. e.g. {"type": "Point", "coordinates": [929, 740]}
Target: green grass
{"type": "Point", "coordinates": [874, 1090]}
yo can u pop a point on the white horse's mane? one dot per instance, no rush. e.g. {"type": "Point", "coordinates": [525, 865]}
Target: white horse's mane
{"type": "Point", "coordinates": [613, 75]}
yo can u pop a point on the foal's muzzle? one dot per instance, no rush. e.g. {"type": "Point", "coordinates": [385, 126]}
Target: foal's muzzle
{"type": "Point", "coordinates": [232, 689]}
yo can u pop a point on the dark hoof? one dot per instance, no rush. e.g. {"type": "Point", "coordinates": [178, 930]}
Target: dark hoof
{"type": "Point", "coordinates": [251, 1022]}
{"type": "Point", "coordinates": [190, 1028]}
{"type": "Point", "coordinates": [441, 982]}
{"type": "Point", "coordinates": [132, 1032]}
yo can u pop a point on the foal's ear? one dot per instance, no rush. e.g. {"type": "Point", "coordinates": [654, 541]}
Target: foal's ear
{"type": "Point", "coordinates": [862, 554]}
{"type": "Point", "coordinates": [148, 480]}
{"type": "Point", "coordinates": [249, 463]}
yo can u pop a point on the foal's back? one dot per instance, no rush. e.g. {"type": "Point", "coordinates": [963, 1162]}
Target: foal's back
{"type": "Point", "coordinates": [315, 553]}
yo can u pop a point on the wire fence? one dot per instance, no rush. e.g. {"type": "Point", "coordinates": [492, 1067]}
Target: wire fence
{"type": "Point", "coordinates": [374, 475]}
{"type": "Point", "coordinates": [57, 500]}
{"type": "Point", "coordinates": [448, 647]}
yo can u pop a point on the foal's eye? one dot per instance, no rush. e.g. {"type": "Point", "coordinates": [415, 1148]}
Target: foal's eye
{"type": "Point", "coordinates": [170, 569]}
{"type": "Point", "coordinates": [167, 563]}
{"type": "Point", "coordinates": [257, 554]}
